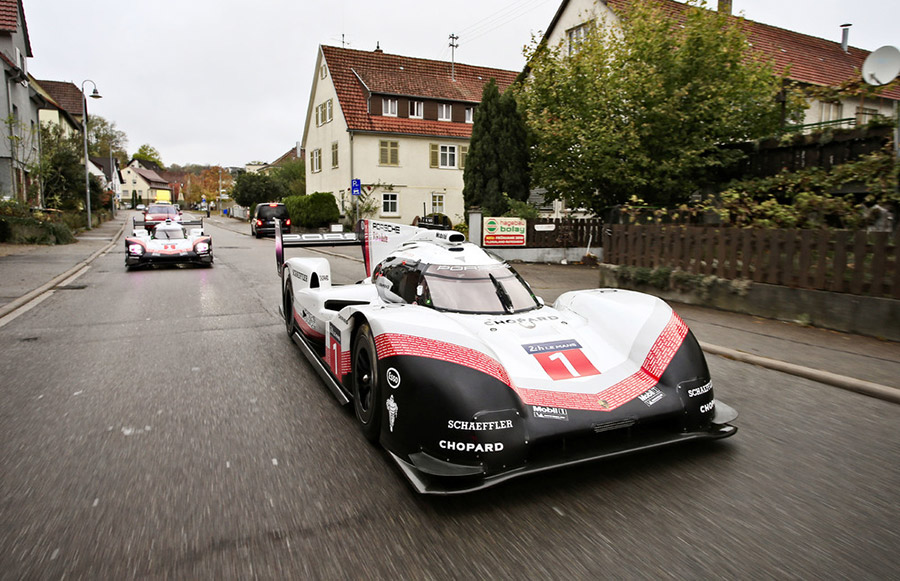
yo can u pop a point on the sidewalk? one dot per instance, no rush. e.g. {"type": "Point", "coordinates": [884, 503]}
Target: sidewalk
{"type": "Point", "coordinates": [819, 354]}
{"type": "Point", "coordinates": [26, 268]}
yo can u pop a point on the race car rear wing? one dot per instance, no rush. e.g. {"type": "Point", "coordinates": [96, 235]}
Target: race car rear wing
{"type": "Point", "coordinates": [378, 240]}
{"type": "Point", "coordinates": [188, 222]}
{"type": "Point", "coordinates": [327, 239]}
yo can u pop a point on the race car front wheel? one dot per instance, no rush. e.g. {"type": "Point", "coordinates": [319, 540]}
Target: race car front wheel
{"type": "Point", "coordinates": [366, 383]}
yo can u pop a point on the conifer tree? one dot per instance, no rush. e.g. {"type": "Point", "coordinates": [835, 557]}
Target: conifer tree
{"type": "Point", "coordinates": [498, 159]}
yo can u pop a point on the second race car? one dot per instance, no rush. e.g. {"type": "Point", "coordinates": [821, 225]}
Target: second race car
{"type": "Point", "coordinates": [168, 243]}
{"type": "Point", "coordinates": [468, 379]}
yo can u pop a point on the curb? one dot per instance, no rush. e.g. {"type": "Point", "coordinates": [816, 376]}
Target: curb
{"type": "Point", "coordinates": [31, 295]}
{"type": "Point", "coordinates": [869, 388]}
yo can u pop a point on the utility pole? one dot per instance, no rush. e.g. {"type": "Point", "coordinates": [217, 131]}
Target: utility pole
{"type": "Point", "coordinates": [453, 47]}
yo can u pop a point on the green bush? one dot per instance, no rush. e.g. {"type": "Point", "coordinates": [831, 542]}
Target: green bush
{"type": "Point", "coordinates": [313, 210]}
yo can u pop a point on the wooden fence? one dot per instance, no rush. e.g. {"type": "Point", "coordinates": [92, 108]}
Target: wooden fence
{"type": "Point", "coordinates": [842, 261]}
{"type": "Point", "coordinates": [564, 233]}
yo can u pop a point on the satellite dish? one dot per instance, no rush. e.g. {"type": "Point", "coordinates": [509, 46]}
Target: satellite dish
{"type": "Point", "coordinates": [882, 66]}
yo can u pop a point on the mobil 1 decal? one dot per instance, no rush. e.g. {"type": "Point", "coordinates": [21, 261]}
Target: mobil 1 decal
{"type": "Point", "coordinates": [562, 359]}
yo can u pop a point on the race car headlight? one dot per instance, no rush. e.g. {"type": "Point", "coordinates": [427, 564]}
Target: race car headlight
{"type": "Point", "coordinates": [135, 249]}
{"type": "Point", "coordinates": [202, 247]}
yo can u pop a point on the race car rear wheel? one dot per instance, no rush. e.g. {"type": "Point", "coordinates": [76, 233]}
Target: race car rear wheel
{"type": "Point", "coordinates": [366, 383]}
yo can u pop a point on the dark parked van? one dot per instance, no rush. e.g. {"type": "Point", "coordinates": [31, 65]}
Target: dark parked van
{"type": "Point", "coordinates": [263, 221]}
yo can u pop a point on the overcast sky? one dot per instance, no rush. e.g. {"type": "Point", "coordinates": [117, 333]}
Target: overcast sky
{"type": "Point", "coordinates": [227, 81]}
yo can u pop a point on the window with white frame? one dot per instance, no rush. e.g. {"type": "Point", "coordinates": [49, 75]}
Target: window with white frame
{"type": "Point", "coordinates": [334, 154]}
{"type": "Point", "coordinates": [389, 107]}
{"type": "Point", "coordinates": [831, 111]}
{"type": "Point", "coordinates": [389, 203]}
{"type": "Point", "coordinates": [865, 114]}
{"type": "Point", "coordinates": [324, 113]}
{"type": "Point", "coordinates": [576, 36]}
{"type": "Point", "coordinates": [388, 153]}
{"type": "Point", "coordinates": [445, 112]}
{"type": "Point", "coordinates": [437, 203]}
{"type": "Point", "coordinates": [315, 160]}
{"type": "Point", "coordinates": [416, 109]}
{"type": "Point", "coordinates": [470, 114]}
{"type": "Point", "coordinates": [447, 156]}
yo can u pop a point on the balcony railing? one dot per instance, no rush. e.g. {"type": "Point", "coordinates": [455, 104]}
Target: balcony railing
{"type": "Point", "coordinates": [810, 127]}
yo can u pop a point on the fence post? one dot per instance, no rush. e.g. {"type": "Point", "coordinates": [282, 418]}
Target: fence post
{"type": "Point", "coordinates": [475, 219]}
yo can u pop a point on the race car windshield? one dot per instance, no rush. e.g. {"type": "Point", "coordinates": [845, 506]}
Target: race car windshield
{"type": "Point", "coordinates": [169, 234]}
{"type": "Point", "coordinates": [161, 210]}
{"type": "Point", "coordinates": [484, 290]}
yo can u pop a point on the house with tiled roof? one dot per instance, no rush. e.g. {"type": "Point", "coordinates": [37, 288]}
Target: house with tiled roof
{"type": "Point", "coordinates": [292, 154]}
{"type": "Point", "coordinates": [400, 125]}
{"type": "Point", "coordinates": [143, 186]}
{"type": "Point", "coordinates": [805, 59]}
{"type": "Point", "coordinates": [52, 111]}
{"type": "Point", "coordinates": [18, 101]}
{"type": "Point", "coordinates": [66, 95]}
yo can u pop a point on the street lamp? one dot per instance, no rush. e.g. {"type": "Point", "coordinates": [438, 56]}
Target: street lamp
{"type": "Point", "coordinates": [87, 171]}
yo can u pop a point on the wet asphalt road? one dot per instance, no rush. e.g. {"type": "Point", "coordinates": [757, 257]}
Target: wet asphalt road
{"type": "Point", "coordinates": [160, 424]}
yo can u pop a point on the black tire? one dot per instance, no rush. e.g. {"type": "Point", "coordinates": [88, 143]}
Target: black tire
{"type": "Point", "coordinates": [366, 383]}
{"type": "Point", "coordinates": [288, 308]}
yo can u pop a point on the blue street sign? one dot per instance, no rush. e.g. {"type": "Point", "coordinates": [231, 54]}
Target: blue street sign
{"type": "Point", "coordinates": [356, 187]}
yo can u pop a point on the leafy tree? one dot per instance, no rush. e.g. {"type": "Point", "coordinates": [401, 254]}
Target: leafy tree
{"type": "Point", "coordinates": [498, 159]}
{"type": "Point", "coordinates": [292, 175]}
{"type": "Point", "coordinates": [147, 152]}
{"type": "Point", "coordinates": [61, 169]}
{"type": "Point", "coordinates": [642, 112]}
{"type": "Point", "coordinates": [210, 180]}
{"type": "Point", "coordinates": [256, 188]}
{"type": "Point", "coordinates": [104, 138]}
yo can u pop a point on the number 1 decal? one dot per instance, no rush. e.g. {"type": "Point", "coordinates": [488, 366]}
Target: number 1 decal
{"type": "Point", "coordinates": [560, 356]}
{"type": "Point", "coordinates": [562, 359]}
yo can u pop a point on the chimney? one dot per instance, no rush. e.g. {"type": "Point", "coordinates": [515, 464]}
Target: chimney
{"type": "Point", "coordinates": [845, 37]}
{"type": "Point", "coordinates": [725, 7]}
{"type": "Point", "coordinates": [378, 47]}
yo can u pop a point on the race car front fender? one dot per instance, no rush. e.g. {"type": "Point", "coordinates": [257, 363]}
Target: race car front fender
{"type": "Point", "coordinates": [448, 419]}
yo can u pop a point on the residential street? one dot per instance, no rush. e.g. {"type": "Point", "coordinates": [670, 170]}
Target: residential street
{"type": "Point", "coordinates": [160, 424]}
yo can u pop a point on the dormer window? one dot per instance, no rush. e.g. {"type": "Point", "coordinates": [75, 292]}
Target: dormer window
{"type": "Point", "coordinates": [416, 109]}
{"type": "Point", "coordinates": [470, 114]}
{"type": "Point", "coordinates": [445, 112]}
{"type": "Point", "coordinates": [389, 107]}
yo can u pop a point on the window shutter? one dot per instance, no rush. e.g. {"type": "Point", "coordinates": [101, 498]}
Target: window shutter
{"type": "Point", "coordinates": [434, 155]}
{"type": "Point", "coordinates": [383, 153]}
{"type": "Point", "coordinates": [463, 152]}
{"type": "Point", "coordinates": [395, 153]}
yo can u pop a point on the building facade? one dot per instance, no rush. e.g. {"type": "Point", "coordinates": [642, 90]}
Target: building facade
{"type": "Point", "coordinates": [399, 125]}
{"type": "Point", "coordinates": [20, 104]}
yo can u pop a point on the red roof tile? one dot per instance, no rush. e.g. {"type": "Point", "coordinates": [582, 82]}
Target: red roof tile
{"type": "Point", "coordinates": [358, 74]}
{"type": "Point", "coordinates": [9, 15]}
{"type": "Point", "coordinates": [812, 60]}
{"type": "Point", "coordinates": [66, 94]}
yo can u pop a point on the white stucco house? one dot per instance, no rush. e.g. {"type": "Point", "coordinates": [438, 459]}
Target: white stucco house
{"type": "Point", "coordinates": [809, 60]}
{"type": "Point", "coordinates": [400, 125]}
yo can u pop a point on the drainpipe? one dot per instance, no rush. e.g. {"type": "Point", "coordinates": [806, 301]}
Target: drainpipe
{"type": "Point", "coordinates": [845, 37]}
{"type": "Point", "coordinates": [13, 186]}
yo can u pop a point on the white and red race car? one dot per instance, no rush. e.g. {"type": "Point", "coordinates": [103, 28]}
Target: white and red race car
{"type": "Point", "coordinates": [468, 379]}
{"type": "Point", "coordinates": [168, 243]}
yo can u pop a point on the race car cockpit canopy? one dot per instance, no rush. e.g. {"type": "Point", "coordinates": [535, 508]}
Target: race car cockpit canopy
{"type": "Point", "coordinates": [169, 231]}
{"type": "Point", "coordinates": [473, 289]}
